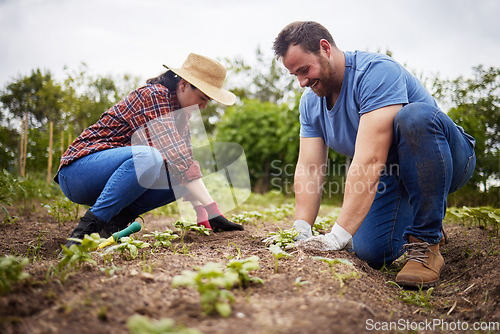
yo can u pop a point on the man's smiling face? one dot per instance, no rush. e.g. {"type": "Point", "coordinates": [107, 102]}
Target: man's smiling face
{"type": "Point", "coordinates": [311, 70]}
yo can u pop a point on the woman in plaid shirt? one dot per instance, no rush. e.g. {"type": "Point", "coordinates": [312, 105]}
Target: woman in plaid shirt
{"type": "Point", "coordinates": [138, 156]}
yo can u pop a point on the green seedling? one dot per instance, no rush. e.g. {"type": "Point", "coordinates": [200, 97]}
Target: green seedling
{"type": "Point", "coordinates": [128, 245]}
{"type": "Point", "coordinates": [62, 210]}
{"type": "Point", "coordinates": [243, 267]}
{"type": "Point", "coordinates": [246, 217]}
{"type": "Point", "coordinates": [163, 238]}
{"type": "Point", "coordinates": [332, 264]}
{"type": "Point", "coordinates": [185, 226]}
{"type": "Point", "coordinates": [77, 255]}
{"type": "Point", "coordinates": [280, 213]}
{"type": "Point", "coordinates": [212, 283]}
{"type": "Point", "coordinates": [138, 324]}
{"type": "Point", "coordinates": [283, 238]}
{"type": "Point", "coordinates": [10, 187]}
{"type": "Point", "coordinates": [11, 271]}
{"type": "Point", "coordinates": [299, 282]}
{"type": "Point", "coordinates": [33, 252]}
{"type": "Point", "coordinates": [418, 297]}
{"type": "Point", "coordinates": [486, 217]}
{"type": "Point", "coordinates": [278, 253]}
{"type": "Point", "coordinates": [110, 271]}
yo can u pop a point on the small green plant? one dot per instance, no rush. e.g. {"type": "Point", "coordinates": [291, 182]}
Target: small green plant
{"type": "Point", "coordinates": [11, 271]}
{"type": "Point", "coordinates": [185, 226]}
{"type": "Point", "coordinates": [280, 213]}
{"type": "Point", "coordinates": [128, 245]}
{"type": "Point", "coordinates": [243, 267]}
{"type": "Point", "coordinates": [332, 264]}
{"type": "Point", "coordinates": [77, 255]}
{"type": "Point", "coordinates": [486, 217]}
{"type": "Point", "coordinates": [33, 252]}
{"type": "Point", "coordinates": [10, 186]}
{"type": "Point", "coordinates": [110, 271]}
{"type": "Point", "coordinates": [163, 239]}
{"type": "Point", "coordinates": [62, 210]}
{"type": "Point", "coordinates": [299, 282]}
{"type": "Point", "coordinates": [278, 253]}
{"type": "Point", "coordinates": [246, 217]}
{"type": "Point", "coordinates": [212, 283]}
{"type": "Point", "coordinates": [283, 238]}
{"type": "Point", "coordinates": [138, 324]}
{"type": "Point", "coordinates": [418, 297]}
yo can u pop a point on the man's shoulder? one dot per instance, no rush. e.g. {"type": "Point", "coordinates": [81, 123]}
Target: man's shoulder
{"type": "Point", "coordinates": [363, 60]}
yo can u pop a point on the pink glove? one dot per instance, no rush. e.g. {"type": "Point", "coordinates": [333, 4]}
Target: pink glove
{"type": "Point", "coordinates": [218, 221]}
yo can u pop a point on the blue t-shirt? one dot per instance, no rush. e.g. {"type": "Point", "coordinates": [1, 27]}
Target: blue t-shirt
{"type": "Point", "coordinates": [371, 81]}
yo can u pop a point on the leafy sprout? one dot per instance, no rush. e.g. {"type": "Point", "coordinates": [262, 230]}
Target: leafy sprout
{"type": "Point", "coordinates": [11, 271]}
{"type": "Point", "coordinates": [245, 217]}
{"type": "Point", "coordinates": [77, 255]}
{"type": "Point", "coordinates": [138, 324]}
{"type": "Point", "coordinates": [243, 267]}
{"type": "Point", "coordinates": [163, 238]}
{"type": "Point", "coordinates": [283, 238]}
{"type": "Point", "coordinates": [185, 226]}
{"type": "Point", "coordinates": [278, 253]}
{"type": "Point", "coordinates": [332, 264]}
{"type": "Point", "coordinates": [212, 283]}
{"type": "Point", "coordinates": [128, 244]}
{"type": "Point", "coordinates": [417, 298]}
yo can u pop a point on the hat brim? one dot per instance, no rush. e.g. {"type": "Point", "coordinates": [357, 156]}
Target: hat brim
{"type": "Point", "coordinates": [215, 93]}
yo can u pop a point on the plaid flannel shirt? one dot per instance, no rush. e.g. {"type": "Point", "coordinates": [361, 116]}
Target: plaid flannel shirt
{"type": "Point", "coordinates": [149, 112]}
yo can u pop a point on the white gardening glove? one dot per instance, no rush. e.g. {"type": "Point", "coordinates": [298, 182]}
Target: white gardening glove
{"type": "Point", "coordinates": [336, 240]}
{"type": "Point", "coordinates": [304, 228]}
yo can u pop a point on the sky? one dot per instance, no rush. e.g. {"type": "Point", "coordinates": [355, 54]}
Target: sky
{"type": "Point", "coordinates": [431, 37]}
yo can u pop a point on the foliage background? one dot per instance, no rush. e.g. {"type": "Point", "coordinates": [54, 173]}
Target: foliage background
{"type": "Point", "coordinates": [265, 120]}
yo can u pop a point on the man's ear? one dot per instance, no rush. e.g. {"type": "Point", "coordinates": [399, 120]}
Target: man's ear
{"type": "Point", "coordinates": [325, 47]}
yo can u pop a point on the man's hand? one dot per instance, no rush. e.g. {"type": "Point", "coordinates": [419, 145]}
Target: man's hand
{"type": "Point", "coordinates": [304, 228]}
{"type": "Point", "coordinates": [336, 240]}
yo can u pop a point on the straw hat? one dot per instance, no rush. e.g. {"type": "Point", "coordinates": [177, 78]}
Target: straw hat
{"type": "Point", "coordinates": [207, 75]}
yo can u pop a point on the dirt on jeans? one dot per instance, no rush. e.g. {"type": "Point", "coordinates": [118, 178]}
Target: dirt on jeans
{"type": "Point", "coordinates": [302, 297]}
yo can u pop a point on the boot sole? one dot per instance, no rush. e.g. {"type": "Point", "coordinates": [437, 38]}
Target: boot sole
{"type": "Point", "coordinates": [422, 285]}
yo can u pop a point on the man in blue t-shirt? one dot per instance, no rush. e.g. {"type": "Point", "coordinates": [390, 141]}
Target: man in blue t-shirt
{"type": "Point", "coordinates": [407, 155]}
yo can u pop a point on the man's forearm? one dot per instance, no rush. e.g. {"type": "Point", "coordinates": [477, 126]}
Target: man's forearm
{"type": "Point", "coordinates": [308, 190]}
{"type": "Point", "coordinates": [360, 189]}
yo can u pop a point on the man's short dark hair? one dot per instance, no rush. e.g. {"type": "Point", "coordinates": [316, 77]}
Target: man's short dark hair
{"type": "Point", "coordinates": [307, 34]}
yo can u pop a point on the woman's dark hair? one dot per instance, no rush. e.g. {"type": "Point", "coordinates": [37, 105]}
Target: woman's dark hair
{"type": "Point", "coordinates": [168, 79]}
{"type": "Point", "coordinates": [307, 34]}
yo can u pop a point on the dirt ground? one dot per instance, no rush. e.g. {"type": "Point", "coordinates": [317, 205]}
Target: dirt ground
{"type": "Point", "coordinates": [91, 301]}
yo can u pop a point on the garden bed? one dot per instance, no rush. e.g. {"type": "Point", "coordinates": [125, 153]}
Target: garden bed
{"type": "Point", "coordinates": [302, 296]}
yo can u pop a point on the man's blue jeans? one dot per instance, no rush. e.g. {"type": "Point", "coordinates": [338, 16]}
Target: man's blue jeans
{"type": "Point", "coordinates": [430, 157]}
{"type": "Point", "coordinates": [118, 178]}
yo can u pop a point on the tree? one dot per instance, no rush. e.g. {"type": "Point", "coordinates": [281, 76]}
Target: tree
{"type": "Point", "coordinates": [269, 135]}
{"type": "Point", "coordinates": [476, 107]}
{"type": "Point", "coordinates": [35, 100]}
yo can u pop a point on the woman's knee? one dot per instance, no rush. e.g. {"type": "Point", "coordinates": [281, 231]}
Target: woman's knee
{"type": "Point", "coordinates": [148, 164]}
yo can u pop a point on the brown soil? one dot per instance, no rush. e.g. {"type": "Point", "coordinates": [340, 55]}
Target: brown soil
{"type": "Point", "coordinates": [90, 301]}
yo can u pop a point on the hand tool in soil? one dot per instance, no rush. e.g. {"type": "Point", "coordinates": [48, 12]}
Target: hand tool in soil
{"type": "Point", "coordinates": [133, 228]}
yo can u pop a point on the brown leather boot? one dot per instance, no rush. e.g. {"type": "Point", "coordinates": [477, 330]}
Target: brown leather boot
{"type": "Point", "coordinates": [423, 264]}
{"type": "Point", "coordinates": [444, 240]}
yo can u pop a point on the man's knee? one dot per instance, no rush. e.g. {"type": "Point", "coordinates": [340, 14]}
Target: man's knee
{"type": "Point", "coordinates": [414, 116]}
{"type": "Point", "coordinates": [372, 254]}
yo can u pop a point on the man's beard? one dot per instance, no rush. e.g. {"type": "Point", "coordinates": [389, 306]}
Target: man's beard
{"type": "Point", "coordinates": [326, 80]}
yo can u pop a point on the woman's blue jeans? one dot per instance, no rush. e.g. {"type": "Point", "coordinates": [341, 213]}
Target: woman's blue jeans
{"type": "Point", "coordinates": [119, 178]}
{"type": "Point", "coordinates": [430, 157]}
